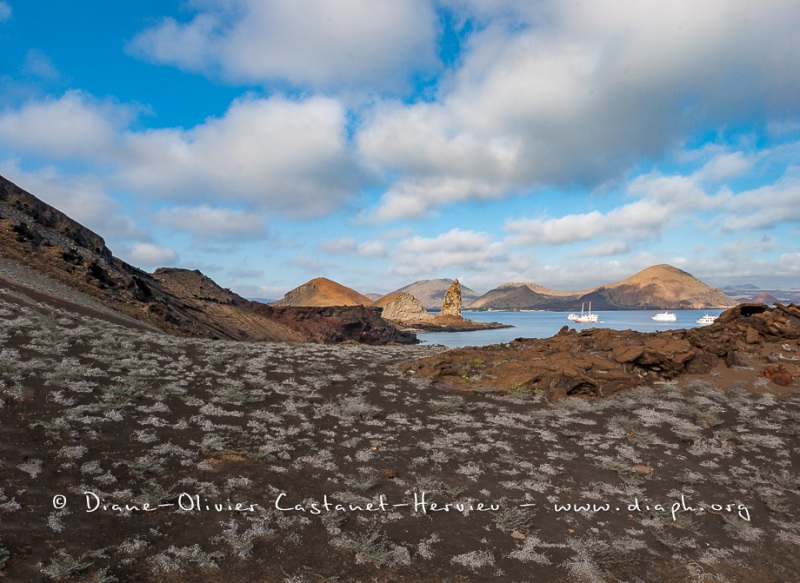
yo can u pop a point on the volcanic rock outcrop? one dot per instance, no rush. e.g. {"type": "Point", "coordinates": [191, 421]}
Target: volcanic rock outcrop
{"type": "Point", "coordinates": [430, 292]}
{"type": "Point", "coordinates": [750, 339]}
{"type": "Point", "coordinates": [404, 308]}
{"type": "Point", "coordinates": [451, 305]}
{"type": "Point", "coordinates": [407, 312]}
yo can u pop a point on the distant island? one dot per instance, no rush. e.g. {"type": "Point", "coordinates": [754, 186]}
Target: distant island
{"type": "Point", "coordinates": [658, 287]}
{"type": "Point", "coordinates": [399, 307]}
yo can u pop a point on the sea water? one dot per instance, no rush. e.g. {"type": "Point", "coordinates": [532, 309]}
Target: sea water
{"type": "Point", "coordinates": [535, 324]}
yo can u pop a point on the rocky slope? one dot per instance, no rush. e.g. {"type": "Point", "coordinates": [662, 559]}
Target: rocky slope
{"type": "Point", "coordinates": [431, 292]}
{"type": "Point", "coordinates": [178, 301]}
{"type": "Point", "coordinates": [660, 287]}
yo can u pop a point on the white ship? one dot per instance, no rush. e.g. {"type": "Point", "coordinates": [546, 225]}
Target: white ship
{"type": "Point", "coordinates": [665, 317]}
{"type": "Point", "coordinates": [706, 320]}
{"type": "Point", "coordinates": [585, 317]}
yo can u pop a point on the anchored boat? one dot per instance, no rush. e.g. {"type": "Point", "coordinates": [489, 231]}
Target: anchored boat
{"type": "Point", "coordinates": [665, 317]}
{"type": "Point", "coordinates": [585, 317]}
{"type": "Point", "coordinates": [706, 320]}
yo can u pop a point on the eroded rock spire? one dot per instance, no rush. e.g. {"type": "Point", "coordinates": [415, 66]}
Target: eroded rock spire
{"type": "Point", "coordinates": [451, 306]}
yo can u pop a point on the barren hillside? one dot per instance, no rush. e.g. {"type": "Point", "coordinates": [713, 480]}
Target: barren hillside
{"type": "Point", "coordinates": [323, 292]}
{"type": "Point", "coordinates": [178, 301]}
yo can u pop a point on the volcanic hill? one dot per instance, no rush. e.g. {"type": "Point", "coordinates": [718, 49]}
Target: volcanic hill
{"type": "Point", "coordinates": [323, 292]}
{"type": "Point", "coordinates": [177, 301]}
{"type": "Point", "coordinates": [664, 286]}
{"type": "Point", "coordinates": [657, 287]}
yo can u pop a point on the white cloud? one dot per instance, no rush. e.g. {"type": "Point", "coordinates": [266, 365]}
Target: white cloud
{"type": "Point", "coordinates": [636, 221]}
{"type": "Point", "coordinates": [340, 246]}
{"type": "Point", "coordinates": [724, 167]}
{"type": "Point", "coordinates": [764, 207]}
{"type": "Point", "coordinates": [410, 198]}
{"type": "Point", "coordinates": [349, 246]}
{"type": "Point", "coordinates": [321, 43]}
{"type": "Point", "coordinates": [310, 264]}
{"type": "Point", "coordinates": [557, 231]}
{"type": "Point", "coordinates": [189, 46]}
{"type": "Point", "coordinates": [576, 93]}
{"type": "Point", "coordinates": [745, 246]}
{"type": "Point", "coordinates": [5, 11]}
{"type": "Point", "coordinates": [661, 202]}
{"type": "Point", "coordinates": [789, 265]}
{"type": "Point", "coordinates": [606, 249]}
{"type": "Point", "coordinates": [209, 221]}
{"type": "Point", "coordinates": [147, 255]}
{"type": "Point", "coordinates": [471, 250]}
{"type": "Point", "coordinates": [278, 154]}
{"type": "Point", "coordinates": [275, 154]}
{"type": "Point", "coordinates": [745, 260]}
{"type": "Point", "coordinates": [74, 125]}
{"type": "Point", "coordinates": [372, 249]}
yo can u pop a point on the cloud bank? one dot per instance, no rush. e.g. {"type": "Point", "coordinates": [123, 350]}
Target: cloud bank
{"type": "Point", "coordinates": [324, 44]}
{"type": "Point", "coordinates": [576, 93]}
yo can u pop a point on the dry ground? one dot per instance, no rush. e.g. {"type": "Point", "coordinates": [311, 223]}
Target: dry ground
{"type": "Point", "coordinates": [137, 418]}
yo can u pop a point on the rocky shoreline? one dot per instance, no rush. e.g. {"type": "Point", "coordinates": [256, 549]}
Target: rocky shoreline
{"type": "Point", "coordinates": [452, 325]}
{"type": "Point", "coordinates": [749, 340]}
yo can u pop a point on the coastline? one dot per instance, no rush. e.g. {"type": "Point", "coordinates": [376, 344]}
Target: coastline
{"type": "Point", "coordinates": [451, 324]}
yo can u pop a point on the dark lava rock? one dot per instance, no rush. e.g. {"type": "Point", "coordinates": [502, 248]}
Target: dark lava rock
{"type": "Point", "coordinates": [601, 362]}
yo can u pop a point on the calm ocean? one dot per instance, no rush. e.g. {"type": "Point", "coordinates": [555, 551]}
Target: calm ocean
{"type": "Point", "coordinates": [546, 324]}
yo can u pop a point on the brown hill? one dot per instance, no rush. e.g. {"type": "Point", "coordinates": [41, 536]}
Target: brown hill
{"type": "Point", "coordinates": [763, 298]}
{"type": "Point", "coordinates": [665, 287]}
{"type": "Point", "coordinates": [660, 286]}
{"type": "Point", "coordinates": [323, 292]}
{"type": "Point", "coordinates": [514, 296]}
{"type": "Point", "coordinates": [177, 301]}
{"type": "Point", "coordinates": [431, 292]}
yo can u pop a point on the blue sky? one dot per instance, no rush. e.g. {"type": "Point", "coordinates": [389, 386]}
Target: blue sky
{"type": "Point", "coordinates": [379, 142]}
